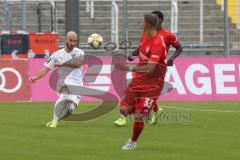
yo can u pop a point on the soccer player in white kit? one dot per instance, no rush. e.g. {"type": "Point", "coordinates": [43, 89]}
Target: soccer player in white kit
{"type": "Point", "coordinates": [69, 61]}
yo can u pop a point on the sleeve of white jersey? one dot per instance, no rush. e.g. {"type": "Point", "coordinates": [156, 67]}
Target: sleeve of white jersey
{"type": "Point", "coordinates": [50, 62]}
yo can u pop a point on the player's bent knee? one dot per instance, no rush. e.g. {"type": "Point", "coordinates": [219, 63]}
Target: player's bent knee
{"type": "Point", "coordinates": [63, 89]}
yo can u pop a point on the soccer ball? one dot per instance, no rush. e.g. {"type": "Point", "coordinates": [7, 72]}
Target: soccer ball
{"type": "Point", "coordinates": [95, 40]}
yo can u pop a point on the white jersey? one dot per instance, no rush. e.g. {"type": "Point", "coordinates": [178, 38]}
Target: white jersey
{"type": "Point", "coordinates": [67, 75]}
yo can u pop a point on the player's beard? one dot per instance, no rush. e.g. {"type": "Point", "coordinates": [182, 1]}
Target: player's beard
{"type": "Point", "coordinates": [69, 47]}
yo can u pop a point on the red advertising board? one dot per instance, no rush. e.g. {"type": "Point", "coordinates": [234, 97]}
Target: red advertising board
{"type": "Point", "coordinates": [40, 43]}
{"type": "Point", "coordinates": [14, 83]}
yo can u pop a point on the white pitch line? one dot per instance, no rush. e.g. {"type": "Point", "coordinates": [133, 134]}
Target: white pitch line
{"type": "Point", "coordinates": [200, 110]}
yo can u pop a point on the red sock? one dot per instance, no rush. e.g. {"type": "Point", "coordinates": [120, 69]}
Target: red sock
{"type": "Point", "coordinates": [137, 130]}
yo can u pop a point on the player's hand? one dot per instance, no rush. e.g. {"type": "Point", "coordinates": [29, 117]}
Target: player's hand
{"type": "Point", "coordinates": [123, 67]}
{"type": "Point", "coordinates": [170, 62]}
{"type": "Point", "coordinates": [58, 64]}
{"type": "Point", "coordinates": [33, 79]}
{"type": "Point", "coordinates": [130, 56]}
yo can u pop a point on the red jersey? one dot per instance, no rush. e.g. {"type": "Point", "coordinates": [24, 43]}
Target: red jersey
{"type": "Point", "coordinates": [153, 51]}
{"type": "Point", "coordinates": [169, 38]}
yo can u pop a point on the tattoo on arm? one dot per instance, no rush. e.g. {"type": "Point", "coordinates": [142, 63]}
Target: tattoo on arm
{"type": "Point", "coordinates": [74, 63]}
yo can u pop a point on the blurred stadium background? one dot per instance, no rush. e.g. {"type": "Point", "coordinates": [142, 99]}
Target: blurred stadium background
{"type": "Point", "coordinates": [199, 24]}
{"type": "Point", "coordinates": [202, 115]}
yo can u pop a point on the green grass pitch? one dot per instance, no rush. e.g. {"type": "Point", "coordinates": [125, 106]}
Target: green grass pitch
{"type": "Point", "coordinates": [210, 130]}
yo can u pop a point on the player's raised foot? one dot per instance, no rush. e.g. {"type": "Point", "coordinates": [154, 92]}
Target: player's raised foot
{"type": "Point", "coordinates": [51, 124]}
{"type": "Point", "coordinates": [122, 121]}
{"type": "Point", "coordinates": [156, 116]}
{"type": "Point", "coordinates": [129, 145]}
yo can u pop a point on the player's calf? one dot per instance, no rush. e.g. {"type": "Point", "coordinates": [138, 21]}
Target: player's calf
{"type": "Point", "coordinates": [67, 111]}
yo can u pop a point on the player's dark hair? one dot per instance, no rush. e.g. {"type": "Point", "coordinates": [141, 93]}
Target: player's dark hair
{"type": "Point", "coordinates": [151, 19]}
{"type": "Point", "coordinates": [159, 14]}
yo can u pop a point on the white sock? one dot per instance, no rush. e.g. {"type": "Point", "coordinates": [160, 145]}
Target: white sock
{"type": "Point", "coordinates": [67, 110]}
{"type": "Point", "coordinates": [59, 107]}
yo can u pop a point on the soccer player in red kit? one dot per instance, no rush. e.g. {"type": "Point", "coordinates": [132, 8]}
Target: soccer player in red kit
{"type": "Point", "coordinates": [169, 40]}
{"type": "Point", "coordinates": [148, 78]}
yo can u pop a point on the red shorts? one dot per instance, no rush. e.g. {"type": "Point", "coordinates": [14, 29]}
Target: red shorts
{"type": "Point", "coordinates": [141, 98]}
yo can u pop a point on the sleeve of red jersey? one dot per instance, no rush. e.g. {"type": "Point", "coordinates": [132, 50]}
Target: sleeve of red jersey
{"type": "Point", "coordinates": [156, 53]}
{"type": "Point", "coordinates": [173, 40]}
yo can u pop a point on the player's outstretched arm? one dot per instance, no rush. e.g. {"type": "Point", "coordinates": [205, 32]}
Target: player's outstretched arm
{"type": "Point", "coordinates": [39, 74]}
{"type": "Point", "coordinates": [73, 63]}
